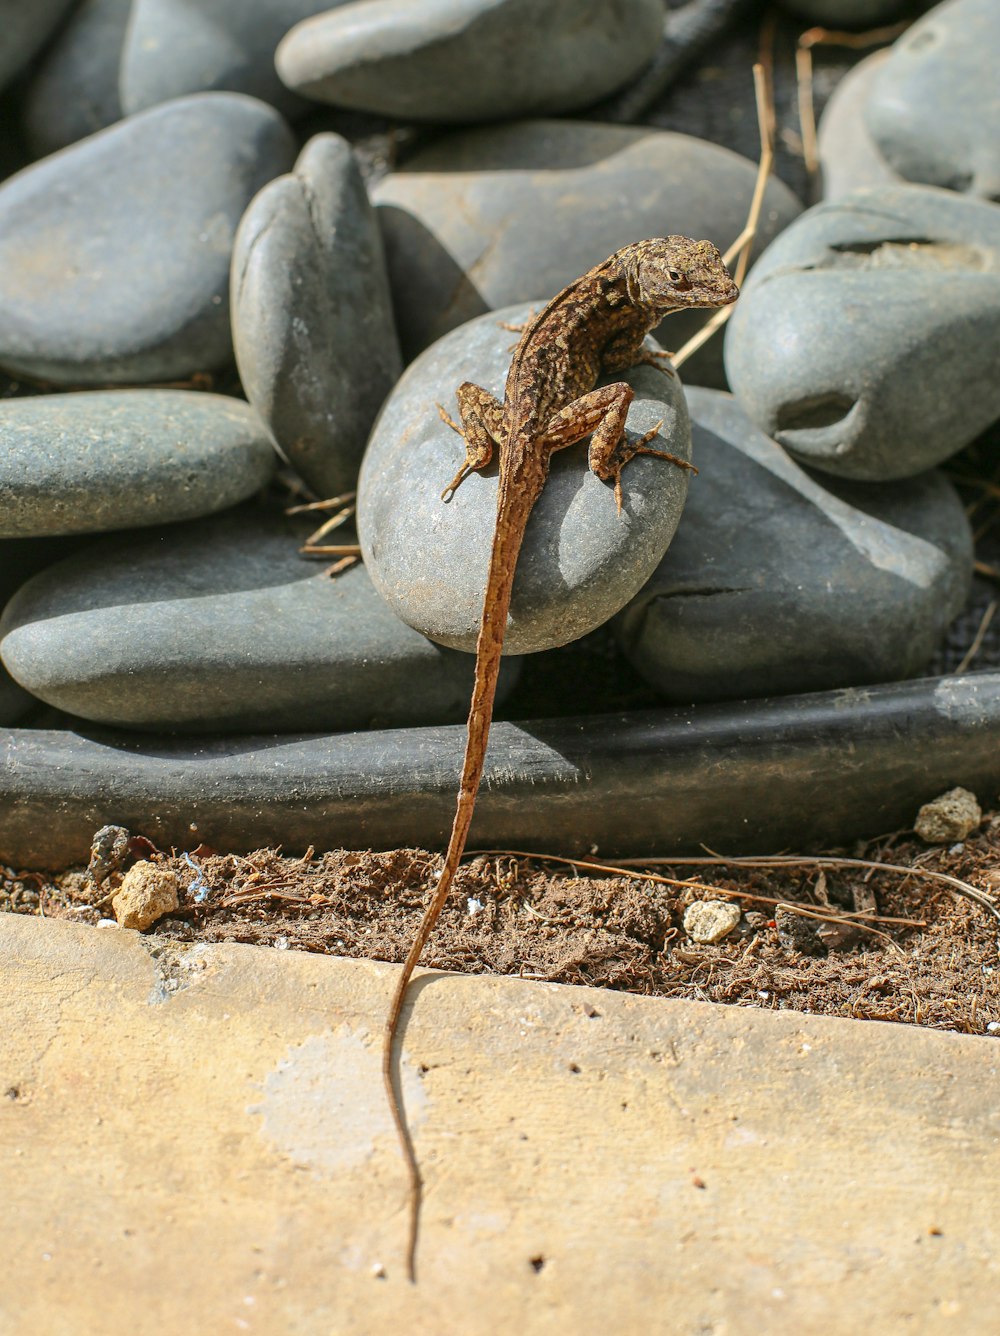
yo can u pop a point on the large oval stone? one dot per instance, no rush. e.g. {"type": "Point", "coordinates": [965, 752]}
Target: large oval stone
{"type": "Point", "coordinates": [470, 60]}
{"type": "Point", "coordinates": [221, 625]}
{"type": "Point", "coordinates": [116, 459]}
{"type": "Point", "coordinates": [114, 253]}
{"type": "Point", "coordinates": [779, 581]}
{"type": "Point", "coordinates": [20, 558]}
{"type": "Point", "coordinates": [865, 339]}
{"type": "Point", "coordinates": [461, 218]}
{"type": "Point", "coordinates": [25, 26]}
{"type": "Point", "coordinates": [581, 560]}
{"type": "Point", "coordinates": [74, 90]}
{"type": "Point", "coordinates": [849, 158]}
{"type": "Point", "coordinates": [312, 314]}
{"type": "Point", "coordinates": [175, 47]}
{"type": "Point", "coordinates": [933, 110]}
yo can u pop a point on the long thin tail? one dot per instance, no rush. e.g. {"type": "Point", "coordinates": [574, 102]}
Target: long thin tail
{"type": "Point", "coordinates": [508, 536]}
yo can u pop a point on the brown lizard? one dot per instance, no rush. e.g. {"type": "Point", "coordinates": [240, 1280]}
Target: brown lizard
{"type": "Point", "coordinates": [594, 327]}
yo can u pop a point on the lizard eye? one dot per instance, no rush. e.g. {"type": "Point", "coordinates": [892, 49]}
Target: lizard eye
{"type": "Point", "coordinates": [675, 276]}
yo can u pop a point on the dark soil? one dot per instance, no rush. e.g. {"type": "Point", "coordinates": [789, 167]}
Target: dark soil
{"type": "Point", "coordinates": [823, 940]}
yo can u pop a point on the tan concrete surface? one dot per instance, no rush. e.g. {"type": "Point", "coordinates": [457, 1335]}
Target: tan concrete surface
{"type": "Point", "coordinates": [195, 1141]}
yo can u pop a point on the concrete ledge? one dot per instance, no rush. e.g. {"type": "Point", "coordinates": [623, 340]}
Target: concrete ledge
{"type": "Point", "coordinates": [194, 1140]}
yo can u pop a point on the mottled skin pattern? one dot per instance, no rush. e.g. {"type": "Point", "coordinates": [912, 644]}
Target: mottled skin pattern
{"type": "Point", "coordinates": [593, 328]}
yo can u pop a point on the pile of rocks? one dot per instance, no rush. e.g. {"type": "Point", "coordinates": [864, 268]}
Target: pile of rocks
{"type": "Point", "coordinates": [172, 225]}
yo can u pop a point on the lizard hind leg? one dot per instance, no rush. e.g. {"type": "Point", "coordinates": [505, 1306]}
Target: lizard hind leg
{"type": "Point", "coordinates": [482, 416]}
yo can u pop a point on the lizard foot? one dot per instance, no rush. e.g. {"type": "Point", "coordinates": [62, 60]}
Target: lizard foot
{"type": "Point", "coordinates": [657, 358]}
{"type": "Point", "coordinates": [457, 481]}
{"type": "Point", "coordinates": [449, 420]}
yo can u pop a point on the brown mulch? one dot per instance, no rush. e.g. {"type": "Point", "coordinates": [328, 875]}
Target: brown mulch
{"type": "Point", "coordinates": [810, 939]}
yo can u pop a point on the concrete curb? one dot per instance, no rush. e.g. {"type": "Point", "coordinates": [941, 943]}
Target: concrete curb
{"type": "Point", "coordinates": [195, 1140]}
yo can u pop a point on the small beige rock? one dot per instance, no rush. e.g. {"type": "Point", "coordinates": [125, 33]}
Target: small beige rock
{"type": "Point", "coordinates": [146, 894]}
{"type": "Point", "coordinates": [952, 816]}
{"type": "Point", "coordinates": [710, 920]}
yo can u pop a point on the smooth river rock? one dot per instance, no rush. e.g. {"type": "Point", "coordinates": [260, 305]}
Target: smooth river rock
{"type": "Point", "coordinates": [114, 252]}
{"type": "Point", "coordinates": [20, 558]}
{"type": "Point", "coordinates": [470, 60]}
{"type": "Point", "coordinates": [933, 110]}
{"type": "Point", "coordinates": [848, 156]}
{"type": "Point", "coordinates": [221, 625]}
{"type": "Point", "coordinates": [74, 90]}
{"type": "Point", "coordinates": [175, 47]}
{"type": "Point", "coordinates": [781, 581]}
{"type": "Point", "coordinates": [581, 560]}
{"type": "Point", "coordinates": [484, 218]}
{"type": "Point", "coordinates": [312, 314]}
{"type": "Point", "coordinates": [24, 27]}
{"type": "Point", "coordinates": [117, 459]}
{"type": "Point", "coordinates": [865, 339]}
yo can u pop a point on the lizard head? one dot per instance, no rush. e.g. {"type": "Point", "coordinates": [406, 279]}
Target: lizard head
{"type": "Point", "coordinates": [670, 272]}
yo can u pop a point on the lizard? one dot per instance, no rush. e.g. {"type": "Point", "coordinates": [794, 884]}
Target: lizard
{"type": "Point", "coordinates": [595, 327]}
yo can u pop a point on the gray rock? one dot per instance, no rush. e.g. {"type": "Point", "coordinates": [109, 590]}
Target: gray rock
{"type": "Point", "coordinates": [933, 110]}
{"type": "Point", "coordinates": [24, 27]}
{"type": "Point", "coordinates": [848, 13]}
{"type": "Point", "coordinates": [779, 582]}
{"type": "Point", "coordinates": [116, 459]}
{"type": "Point", "coordinates": [15, 702]}
{"type": "Point", "coordinates": [175, 47]}
{"type": "Point", "coordinates": [470, 60]}
{"type": "Point", "coordinates": [485, 218]}
{"type": "Point", "coordinates": [20, 558]}
{"type": "Point", "coordinates": [312, 314]}
{"type": "Point", "coordinates": [114, 253]}
{"type": "Point", "coordinates": [849, 160]}
{"type": "Point", "coordinates": [581, 560]}
{"type": "Point", "coordinates": [74, 91]}
{"type": "Point", "coordinates": [220, 624]}
{"type": "Point", "coordinates": [865, 339]}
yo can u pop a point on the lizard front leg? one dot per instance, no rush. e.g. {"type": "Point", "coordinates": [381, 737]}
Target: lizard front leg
{"type": "Point", "coordinates": [481, 415]}
{"type": "Point", "coordinates": [601, 415]}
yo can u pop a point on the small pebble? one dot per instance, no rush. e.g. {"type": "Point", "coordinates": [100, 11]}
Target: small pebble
{"type": "Point", "coordinates": [951, 816]}
{"type": "Point", "coordinates": [147, 893]}
{"type": "Point", "coordinates": [709, 921]}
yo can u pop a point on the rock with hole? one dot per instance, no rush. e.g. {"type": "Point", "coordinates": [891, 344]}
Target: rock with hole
{"type": "Point", "coordinates": [779, 580]}
{"type": "Point", "coordinates": [933, 110]}
{"type": "Point", "coordinates": [865, 337]}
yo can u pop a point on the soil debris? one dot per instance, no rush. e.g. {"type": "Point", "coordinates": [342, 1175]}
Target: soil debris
{"type": "Point", "coordinates": [873, 944]}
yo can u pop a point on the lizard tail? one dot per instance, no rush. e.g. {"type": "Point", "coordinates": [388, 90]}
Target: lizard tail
{"type": "Point", "coordinates": [511, 523]}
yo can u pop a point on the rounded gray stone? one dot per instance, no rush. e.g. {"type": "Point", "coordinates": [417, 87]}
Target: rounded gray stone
{"type": "Point", "coordinates": [114, 252]}
{"type": "Point", "coordinates": [581, 560]}
{"type": "Point", "coordinates": [24, 27]}
{"type": "Point", "coordinates": [220, 624]}
{"type": "Point", "coordinates": [312, 314]}
{"type": "Point", "coordinates": [849, 159]}
{"type": "Point", "coordinates": [933, 110]}
{"type": "Point", "coordinates": [20, 558]}
{"type": "Point", "coordinates": [175, 47]}
{"type": "Point", "coordinates": [485, 218]}
{"type": "Point", "coordinates": [779, 581]}
{"type": "Point", "coordinates": [470, 60]}
{"type": "Point", "coordinates": [848, 13]}
{"type": "Point", "coordinates": [865, 338]}
{"type": "Point", "coordinates": [117, 459]}
{"type": "Point", "coordinates": [74, 91]}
